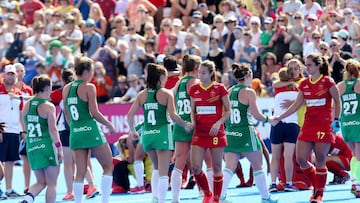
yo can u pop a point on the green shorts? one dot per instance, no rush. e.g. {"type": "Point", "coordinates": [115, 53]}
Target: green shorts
{"type": "Point", "coordinates": [42, 156]}
{"type": "Point", "coordinates": [157, 138]}
{"type": "Point", "coordinates": [242, 139]}
{"type": "Point", "coordinates": [180, 135]}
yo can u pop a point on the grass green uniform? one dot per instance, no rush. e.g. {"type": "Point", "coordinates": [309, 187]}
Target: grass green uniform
{"type": "Point", "coordinates": [240, 134]}
{"type": "Point", "coordinates": [84, 130]}
{"type": "Point", "coordinates": [39, 146]}
{"type": "Point", "coordinates": [156, 130]}
{"type": "Point", "coordinates": [183, 106]}
{"type": "Point", "coordinates": [350, 114]}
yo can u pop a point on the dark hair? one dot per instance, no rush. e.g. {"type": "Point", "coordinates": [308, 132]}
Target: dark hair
{"type": "Point", "coordinates": [67, 75]}
{"type": "Point", "coordinates": [170, 63]}
{"type": "Point", "coordinates": [320, 61]}
{"type": "Point", "coordinates": [39, 83]}
{"type": "Point", "coordinates": [190, 62]}
{"type": "Point", "coordinates": [241, 70]}
{"type": "Point", "coordinates": [154, 73]}
{"type": "Point", "coordinates": [82, 63]}
{"type": "Point", "coordinates": [210, 65]}
{"type": "Point", "coordinates": [39, 65]}
{"type": "Point", "coordinates": [269, 54]}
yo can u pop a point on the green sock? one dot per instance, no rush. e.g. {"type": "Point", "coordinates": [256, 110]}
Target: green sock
{"type": "Point", "coordinates": [353, 166]}
{"type": "Point", "coordinates": [357, 172]}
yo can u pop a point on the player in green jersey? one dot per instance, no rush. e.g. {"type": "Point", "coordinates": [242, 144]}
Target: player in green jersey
{"type": "Point", "coordinates": [81, 110]}
{"type": "Point", "coordinates": [43, 143]}
{"type": "Point", "coordinates": [156, 102]}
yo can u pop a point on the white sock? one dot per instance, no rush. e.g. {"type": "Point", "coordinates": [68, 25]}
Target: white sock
{"type": "Point", "coordinates": [139, 172]}
{"type": "Point", "coordinates": [78, 191]}
{"type": "Point", "coordinates": [260, 181]}
{"type": "Point", "coordinates": [106, 182]}
{"type": "Point", "coordinates": [163, 188]}
{"type": "Point", "coordinates": [210, 177]}
{"type": "Point", "coordinates": [176, 184]}
{"type": "Point", "coordinates": [228, 174]}
{"type": "Point", "coordinates": [28, 199]}
{"type": "Point", "coordinates": [154, 183]}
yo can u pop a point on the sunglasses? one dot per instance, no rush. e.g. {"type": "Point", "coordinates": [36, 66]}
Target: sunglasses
{"type": "Point", "coordinates": [347, 13]}
{"type": "Point", "coordinates": [311, 20]}
{"type": "Point", "coordinates": [269, 58]}
{"type": "Point", "coordinates": [281, 20]}
{"type": "Point", "coordinates": [297, 17]}
{"type": "Point", "coordinates": [323, 49]}
{"type": "Point", "coordinates": [316, 37]}
{"type": "Point", "coordinates": [333, 16]}
{"type": "Point", "coordinates": [332, 45]}
{"type": "Point", "coordinates": [294, 68]}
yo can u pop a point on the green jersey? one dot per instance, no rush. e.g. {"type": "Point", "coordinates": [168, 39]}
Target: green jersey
{"type": "Point", "coordinates": [350, 117]}
{"type": "Point", "coordinates": [84, 130]}
{"type": "Point", "coordinates": [39, 145]}
{"type": "Point", "coordinates": [155, 113]}
{"type": "Point", "coordinates": [240, 116]}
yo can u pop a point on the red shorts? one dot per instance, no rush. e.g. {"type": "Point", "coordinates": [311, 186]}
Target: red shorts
{"type": "Point", "coordinates": [345, 161]}
{"type": "Point", "coordinates": [209, 141]}
{"type": "Point", "coordinates": [316, 132]}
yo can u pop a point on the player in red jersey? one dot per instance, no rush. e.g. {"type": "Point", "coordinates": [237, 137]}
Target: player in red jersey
{"type": "Point", "coordinates": [210, 109]}
{"type": "Point", "coordinates": [317, 92]}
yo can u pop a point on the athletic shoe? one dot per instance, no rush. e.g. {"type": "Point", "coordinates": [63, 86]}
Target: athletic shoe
{"type": "Point", "coordinates": [1, 192]}
{"type": "Point", "coordinates": [208, 198]}
{"type": "Point", "coordinates": [68, 197]}
{"type": "Point", "coordinates": [317, 199]}
{"type": "Point", "coordinates": [243, 185]}
{"type": "Point", "coordinates": [12, 194]}
{"type": "Point", "coordinates": [190, 184]}
{"type": "Point", "coordinates": [154, 200]}
{"type": "Point", "coordinates": [273, 188]}
{"type": "Point", "coordinates": [335, 180]}
{"type": "Point", "coordinates": [271, 199]}
{"type": "Point", "coordinates": [353, 189]}
{"type": "Point", "coordinates": [91, 192]}
{"type": "Point", "coordinates": [147, 187]}
{"type": "Point", "coordinates": [343, 179]}
{"type": "Point", "coordinates": [2, 197]}
{"type": "Point", "coordinates": [290, 188]}
{"type": "Point", "coordinates": [137, 190]}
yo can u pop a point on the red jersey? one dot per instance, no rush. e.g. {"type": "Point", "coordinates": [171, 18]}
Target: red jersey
{"type": "Point", "coordinates": [171, 81]}
{"type": "Point", "coordinates": [340, 148]}
{"type": "Point", "coordinates": [56, 96]}
{"type": "Point", "coordinates": [318, 110]}
{"type": "Point", "coordinates": [208, 107]}
{"type": "Point", "coordinates": [26, 90]}
{"type": "Point", "coordinates": [29, 8]}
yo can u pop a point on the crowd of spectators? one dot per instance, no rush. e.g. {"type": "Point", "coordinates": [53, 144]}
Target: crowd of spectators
{"type": "Point", "coordinates": [123, 36]}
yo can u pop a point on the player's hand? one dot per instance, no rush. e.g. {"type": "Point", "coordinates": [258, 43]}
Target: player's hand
{"type": "Point", "coordinates": [189, 127]}
{"type": "Point", "coordinates": [215, 129]}
{"type": "Point", "coordinates": [273, 120]}
{"type": "Point", "coordinates": [60, 154]}
{"type": "Point", "coordinates": [335, 125]}
{"type": "Point", "coordinates": [134, 136]}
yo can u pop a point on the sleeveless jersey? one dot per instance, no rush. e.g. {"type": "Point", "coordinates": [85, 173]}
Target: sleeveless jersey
{"type": "Point", "coordinates": [156, 129]}
{"type": "Point", "coordinates": [84, 131]}
{"type": "Point", "coordinates": [240, 134]}
{"type": "Point", "coordinates": [183, 106]}
{"type": "Point", "coordinates": [39, 145]}
{"type": "Point", "coordinates": [350, 117]}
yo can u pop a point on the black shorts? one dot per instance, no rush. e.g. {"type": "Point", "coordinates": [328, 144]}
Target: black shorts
{"type": "Point", "coordinates": [9, 148]}
{"type": "Point", "coordinates": [65, 138]}
{"type": "Point", "coordinates": [284, 132]}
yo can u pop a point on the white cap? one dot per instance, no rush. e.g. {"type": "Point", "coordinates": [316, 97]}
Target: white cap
{"type": "Point", "coordinates": [160, 58]}
{"type": "Point", "coordinates": [177, 22]}
{"type": "Point", "coordinates": [10, 69]}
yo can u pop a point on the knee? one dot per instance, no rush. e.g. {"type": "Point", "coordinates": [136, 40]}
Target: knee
{"type": "Point", "coordinates": [196, 169]}
{"type": "Point", "coordinates": [108, 169]}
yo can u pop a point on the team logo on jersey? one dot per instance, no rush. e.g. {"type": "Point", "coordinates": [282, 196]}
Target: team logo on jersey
{"type": "Point", "coordinates": [212, 94]}
{"type": "Point", "coordinates": [82, 129]}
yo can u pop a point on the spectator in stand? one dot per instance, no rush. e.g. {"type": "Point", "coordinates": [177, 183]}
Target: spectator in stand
{"type": "Point", "coordinates": [150, 53]}
{"type": "Point", "coordinates": [54, 62]}
{"type": "Point", "coordinates": [120, 63]}
{"type": "Point", "coordinates": [64, 7]}
{"type": "Point", "coordinates": [120, 8]}
{"type": "Point", "coordinates": [100, 21]}
{"type": "Point", "coordinates": [201, 33]}
{"type": "Point", "coordinates": [9, 138]}
{"type": "Point", "coordinates": [190, 47]}
{"type": "Point", "coordinates": [84, 7]}
{"type": "Point", "coordinates": [290, 9]}
{"type": "Point", "coordinates": [107, 8]}
{"type": "Point", "coordinates": [119, 29]}
{"type": "Point", "coordinates": [226, 9]}
{"type": "Point", "coordinates": [242, 14]}
{"type": "Point", "coordinates": [171, 48]}
{"type": "Point", "coordinates": [131, 10]}
{"type": "Point", "coordinates": [38, 40]}
{"type": "Point", "coordinates": [337, 60]}
{"type": "Point", "coordinates": [311, 7]}
{"type": "Point", "coordinates": [121, 88]}
{"type": "Point", "coordinates": [352, 25]}
{"type": "Point", "coordinates": [228, 39]}
{"type": "Point", "coordinates": [268, 67]}
{"type": "Point", "coordinates": [352, 5]}
{"type": "Point", "coordinates": [143, 18]}
{"type": "Point", "coordinates": [331, 25]}
{"type": "Point", "coordinates": [332, 6]}
{"type": "Point", "coordinates": [170, 63]}
{"type": "Point", "coordinates": [268, 10]}
{"type": "Point", "coordinates": [102, 82]}
{"type": "Point", "coordinates": [280, 40]}
{"type": "Point", "coordinates": [55, 25]}
{"type": "Point", "coordinates": [217, 55]}
{"type": "Point", "coordinates": [108, 55]}
{"type": "Point", "coordinates": [133, 57]}
{"type": "Point", "coordinates": [28, 8]}
{"type": "Point", "coordinates": [208, 15]}
{"type": "Point", "coordinates": [178, 26]}
{"type": "Point", "coordinates": [150, 33]}
{"type": "Point", "coordinates": [356, 53]}
{"type": "Point", "coordinates": [255, 29]}
{"type": "Point", "coordinates": [297, 32]}
{"type": "Point", "coordinates": [220, 29]}
{"type": "Point", "coordinates": [163, 37]}
{"type": "Point", "coordinates": [131, 93]}
{"type": "Point", "coordinates": [247, 53]}
{"type": "Point", "coordinates": [312, 26]}
{"type": "Point", "coordinates": [342, 37]}
{"type": "Point", "coordinates": [131, 32]}
{"type": "Point", "coordinates": [73, 35]}
{"type": "Point", "coordinates": [312, 47]}
{"type": "Point", "coordinates": [184, 9]}
{"type": "Point", "coordinates": [324, 49]}
{"type": "Point", "coordinates": [10, 25]}
{"type": "Point", "coordinates": [92, 39]}
{"type": "Point", "coordinates": [31, 58]}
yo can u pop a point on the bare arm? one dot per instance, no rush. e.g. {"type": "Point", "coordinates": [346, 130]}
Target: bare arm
{"type": "Point", "coordinates": [54, 133]}
{"type": "Point", "coordinates": [172, 111]}
{"type": "Point", "coordinates": [251, 95]}
{"type": "Point", "coordinates": [334, 92]}
{"type": "Point", "coordinates": [131, 113]}
{"type": "Point", "coordinates": [225, 115]}
{"type": "Point", "coordinates": [294, 107]}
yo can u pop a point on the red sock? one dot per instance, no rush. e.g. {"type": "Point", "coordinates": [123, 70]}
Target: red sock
{"type": "Point", "coordinates": [202, 181]}
{"type": "Point", "coordinates": [185, 173]}
{"type": "Point", "coordinates": [239, 173]}
{"type": "Point", "coordinates": [335, 168]}
{"type": "Point", "coordinates": [321, 174]}
{"type": "Point", "coordinates": [251, 177]}
{"type": "Point", "coordinates": [310, 173]}
{"type": "Point", "coordinates": [218, 181]}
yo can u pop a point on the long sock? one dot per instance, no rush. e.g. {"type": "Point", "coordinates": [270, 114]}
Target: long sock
{"type": "Point", "coordinates": [218, 182]}
{"type": "Point", "coordinates": [228, 174]}
{"type": "Point", "coordinates": [260, 181]}
{"type": "Point", "coordinates": [106, 181]}
{"type": "Point", "coordinates": [176, 184]}
{"type": "Point", "coordinates": [239, 173]}
{"type": "Point", "coordinates": [29, 198]}
{"type": "Point", "coordinates": [78, 191]}
{"type": "Point", "coordinates": [321, 174]}
{"type": "Point", "coordinates": [210, 175]}
{"type": "Point", "coordinates": [163, 188]}
{"type": "Point", "coordinates": [353, 167]}
{"type": "Point", "coordinates": [310, 173]}
{"type": "Point", "coordinates": [155, 183]}
{"type": "Point", "coordinates": [335, 168]}
{"type": "Point", "coordinates": [139, 172]}
{"type": "Point", "coordinates": [202, 181]}
{"type": "Point", "coordinates": [148, 169]}
{"type": "Point", "coordinates": [357, 172]}
{"type": "Point", "coordinates": [251, 177]}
